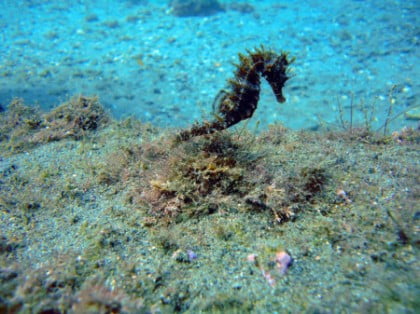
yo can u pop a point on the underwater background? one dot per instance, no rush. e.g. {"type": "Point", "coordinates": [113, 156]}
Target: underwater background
{"type": "Point", "coordinates": [309, 206]}
{"type": "Point", "coordinates": [164, 63]}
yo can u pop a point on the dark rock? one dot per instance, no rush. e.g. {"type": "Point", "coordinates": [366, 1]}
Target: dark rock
{"type": "Point", "coordinates": [195, 7]}
{"type": "Point", "coordinates": [241, 7]}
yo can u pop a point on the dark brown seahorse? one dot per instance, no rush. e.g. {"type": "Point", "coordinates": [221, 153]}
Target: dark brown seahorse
{"type": "Point", "coordinates": [240, 101]}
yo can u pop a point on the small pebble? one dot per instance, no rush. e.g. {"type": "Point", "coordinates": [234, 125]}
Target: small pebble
{"type": "Point", "coordinates": [283, 262]}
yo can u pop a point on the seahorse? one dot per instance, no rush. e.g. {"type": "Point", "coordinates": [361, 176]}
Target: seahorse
{"type": "Point", "coordinates": [241, 99]}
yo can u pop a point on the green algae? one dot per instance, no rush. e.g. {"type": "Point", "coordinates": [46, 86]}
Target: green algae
{"type": "Point", "coordinates": [107, 221]}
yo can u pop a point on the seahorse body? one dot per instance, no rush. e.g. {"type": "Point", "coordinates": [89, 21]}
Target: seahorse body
{"type": "Point", "coordinates": [240, 102]}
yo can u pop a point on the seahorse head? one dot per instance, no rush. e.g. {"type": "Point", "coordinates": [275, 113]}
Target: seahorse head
{"type": "Point", "coordinates": [275, 74]}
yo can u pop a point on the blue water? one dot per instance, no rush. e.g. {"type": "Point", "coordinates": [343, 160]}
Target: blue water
{"type": "Point", "coordinates": [142, 60]}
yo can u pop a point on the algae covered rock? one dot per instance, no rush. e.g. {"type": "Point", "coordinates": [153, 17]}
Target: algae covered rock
{"type": "Point", "coordinates": [23, 127]}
